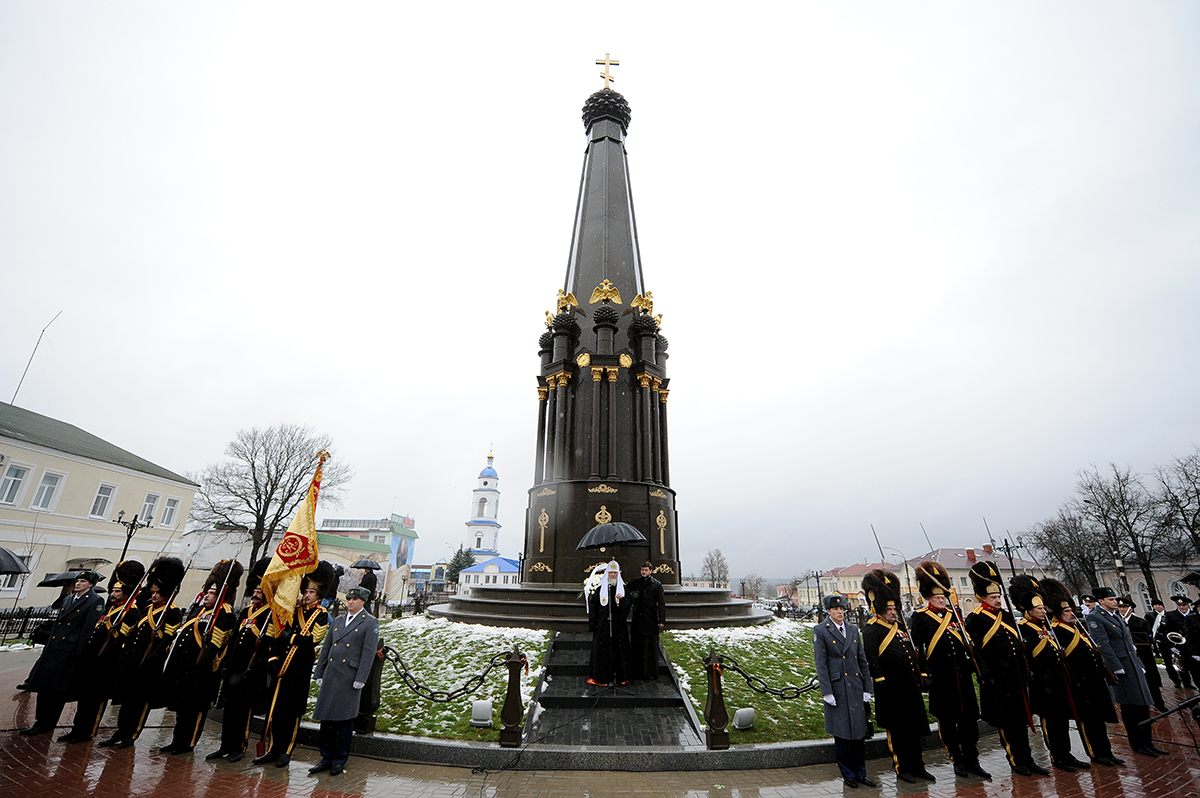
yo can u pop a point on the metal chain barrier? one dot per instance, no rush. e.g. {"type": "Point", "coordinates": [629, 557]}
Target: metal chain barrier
{"type": "Point", "coordinates": [445, 696]}
{"type": "Point", "coordinates": [758, 685]}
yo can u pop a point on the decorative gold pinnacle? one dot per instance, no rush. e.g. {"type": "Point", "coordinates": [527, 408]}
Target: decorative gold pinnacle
{"type": "Point", "coordinates": [644, 303]}
{"type": "Point", "coordinates": [565, 300]}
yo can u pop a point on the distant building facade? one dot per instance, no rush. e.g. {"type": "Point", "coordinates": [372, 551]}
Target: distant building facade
{"type": "Point", "coordinates": [61, 488]}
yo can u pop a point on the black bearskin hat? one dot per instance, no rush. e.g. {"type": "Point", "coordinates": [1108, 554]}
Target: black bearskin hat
{"type": "Point", "coordinates": [1025, 592]}
{"type": "Point", "coordinates": [165, 575]}
{"type": "Point", "coordinates": [882, 589]}
{"type": "Point", "coordinates": [324, 579]}
{"type": "Point", "coordinates": [984, 575]}
{"type": "Point", "coordinates": [216, 578]}
{"type": "Point", "coordinates": [126, 575]}
{"type": "Point", "coordinates": [1058, 598]}
{"type": "Point", "coordinates": [933, 580]}
{"type": "Point", "coordinates": [254, 577]}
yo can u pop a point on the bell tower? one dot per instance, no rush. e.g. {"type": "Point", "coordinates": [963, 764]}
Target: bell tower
{"type": "Point", "coordinates": [483, 530]}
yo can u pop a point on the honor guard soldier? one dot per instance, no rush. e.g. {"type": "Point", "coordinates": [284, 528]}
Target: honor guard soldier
{"type": "Point", "coordinates": [1110, 634]}
{"type": "Point", "coordinates": [343, 669]}
{"type": "Point", "coordinates": [191, 677]}
{"type": "Point", "coordinates": [294, 652]}
{"type": "Point", "coordinates": [1143, 642]}
{"type": "Point", "coordinates": [1049, 686]}
{"type": "Point", "coordinates": [1000, 652]}
{"type": "Point", "coordinates": [147, 634]}
{"type": "Point", "coordinates": [96, 677]}
{"type": "Point", "coordinates": [1089, 682]}
{"type": "Point", "coordinates": [943, 651]}
{"type": "Point", "coordinates": [899, 707]}
{"type": "Point", "coordinates": [845, 680]}
{"type": "Point", "coordinates": [52, 675]}
{"type": "Point", "coordinates": [245, 668]}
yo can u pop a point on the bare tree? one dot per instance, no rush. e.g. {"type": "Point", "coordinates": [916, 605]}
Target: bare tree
{"type": "Point", "coordinates": [264, 479]}
{"type": "Point", "coordinates": [1128, 515]}
{"type": "Point", "coordinates": [714, 569]}
{"type": "Point", "coordinates": [1179, 492]}
{"type": "Point", "coordinates": [755, 586]}
{"type": "Point", "coordinates": [1072, 545]}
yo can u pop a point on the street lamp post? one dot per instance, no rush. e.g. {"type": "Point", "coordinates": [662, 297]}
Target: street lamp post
{"type": "Point", "coordinates": [130, 528]}
{"type": "Point", "coordinates": [907, 583]}
{"type": "Point", "coordinates": [1122, 582]}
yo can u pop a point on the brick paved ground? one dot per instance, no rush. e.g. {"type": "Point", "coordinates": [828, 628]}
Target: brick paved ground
{"type": "Point", "coordinates": [42, 768]}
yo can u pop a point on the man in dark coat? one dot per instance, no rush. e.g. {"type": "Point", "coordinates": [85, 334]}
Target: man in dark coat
{"type": "Point", "coordinates": [245, 668]}
{"type": "Point", "coordinates": [899, 707]}
{"type": "Point", "coordinates": [55, 668]}
{"type": "Point", "coordinates": [1186, 621]}
{"type": "Point", "coordinates": [1089, 683]}
{"type": "Point", "coordinates": [191, 678]}
{"type": "Point", "coordinates": [608, 610]}
{"type": "Point", "coordinates": [1049, 685]}
{"type": "Point", "coordinates": [368, 583]}
{"type": "Point", "coordinates": [1139, 630]}
{"type": "Point", "coordinates": [146, 633]}
{"type": "Point", "coordinates": [1000, 652]}
{"type": "Point", "coordinates": [1110, 634]}
{"type": "Point", "coordinates": [845, 679]}
{"type": "Point", "coordinates": [1162, 645]}
{"type": "Point", "coordinates": [293, 654]}
{"type": "Point", "coordinates": [649, 615]}
{"type": "Point", "coordinates": [948, 669]}
{"type": "Point", "coordinates": [96, 677]}
{"type": "Point", "coordinates": [342, 671]}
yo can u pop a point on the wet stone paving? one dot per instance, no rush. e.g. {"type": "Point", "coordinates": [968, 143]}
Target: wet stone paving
{"type": "Point", "coordinates": [42, 767]}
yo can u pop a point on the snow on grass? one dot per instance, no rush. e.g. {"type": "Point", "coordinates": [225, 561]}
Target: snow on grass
{"type": "Point", "coordinates": [443, 655]}
{"type": "Point", "coordinates": [779, 652]}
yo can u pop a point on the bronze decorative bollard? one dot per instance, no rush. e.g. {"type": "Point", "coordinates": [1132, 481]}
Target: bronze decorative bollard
{"type": "Point", "coordinates": [716, 717]}
{"type": "Point", "coordinates": [513, 711]}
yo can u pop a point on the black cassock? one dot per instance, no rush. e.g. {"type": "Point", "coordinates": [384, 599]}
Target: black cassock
{"type": "Point", "coordinates": [649, 609]}
{"type": "Point", "coordinates": [610, 642]}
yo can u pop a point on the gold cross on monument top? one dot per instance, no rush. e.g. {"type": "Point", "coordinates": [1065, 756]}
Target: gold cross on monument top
{"type": "Point", "coordinates": [606, 63]}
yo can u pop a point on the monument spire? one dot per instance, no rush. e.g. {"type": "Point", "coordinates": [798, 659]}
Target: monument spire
{"type": "Point", "coordinates": [602, 387]}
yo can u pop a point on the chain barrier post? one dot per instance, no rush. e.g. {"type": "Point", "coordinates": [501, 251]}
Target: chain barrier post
{"type": "Point", "coordinates": [716, 716]}
{"type": "Point", "coordinates": [514, 710]}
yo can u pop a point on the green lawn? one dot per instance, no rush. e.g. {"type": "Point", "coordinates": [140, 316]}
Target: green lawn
{"type": "Point", "coordinates": [779, 652]}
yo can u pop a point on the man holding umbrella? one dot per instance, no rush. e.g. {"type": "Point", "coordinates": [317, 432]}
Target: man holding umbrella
{"type": "Point", "coordinates": [369, 581]}
{"type": "Point", "coordinates": [68, 638]}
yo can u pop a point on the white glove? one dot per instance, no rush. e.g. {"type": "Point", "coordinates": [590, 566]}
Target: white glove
{"type": "Point", "coordinates": [359, 685]}
{"type": "Point", "coordinates": [1119, 673]}
{"type": "Point", "coordinates": [1174, 651]}
{"type": "Point", "coordinates": [866, 696]}
{"type": "Point", "coordinates": [830, 700]}
{"type": "Point", "coordinates": [319, 682]}
{"type": "Point", "coordinates": [1196, 657]}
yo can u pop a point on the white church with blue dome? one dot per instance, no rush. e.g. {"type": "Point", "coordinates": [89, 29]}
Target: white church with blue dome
{"type": "Point", "coordinates": [483, 536]}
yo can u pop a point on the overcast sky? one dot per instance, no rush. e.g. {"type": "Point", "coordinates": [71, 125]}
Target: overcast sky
{"type": "Point", "coordinates": [918, 263]}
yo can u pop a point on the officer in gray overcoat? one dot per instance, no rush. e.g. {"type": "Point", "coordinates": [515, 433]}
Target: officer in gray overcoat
{"type": "Point", "coordinates": [846, 687]}
{"type": "Point", "coordinates": [69, 636]}
{"type": "Point", "coordinates": [1111, 635]}
{"type": "Point", "coordinates": [342, 671]}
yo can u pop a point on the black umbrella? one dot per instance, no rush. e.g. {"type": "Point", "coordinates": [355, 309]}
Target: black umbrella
{"type": "Point", "coordinates": [65, 578]}
{"type": "Point", "coordinates": [11, 563]}
{"type": "Point", "coordinates": [610, 534]}
{"type": "Point", "coordinates": [365, 563]}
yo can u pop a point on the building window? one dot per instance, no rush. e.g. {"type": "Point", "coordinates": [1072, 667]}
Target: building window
{"type": "Point", "coordinates": [104, 495]}
{"type": "Point", "coordinates": [10, 487]}
{"type": "Point", "coordinates": [169, 511]}
{"type": "Point", "coordinates": [43, 499]}
{"type": "Point", "coordinates": [1176, 588]}
{"type": "Point", "coordinates": [479, 542]}
{"type": "Point", "coordinates": [965, 581]}
{"type": "Point", "coordinates": [148, 508]}
{"type": "Point", "coordinates": [14, 580]}
{"type": "Point", "coordinates": [482, 507]}
{"type": "Point", "coordinates": [380, 539]}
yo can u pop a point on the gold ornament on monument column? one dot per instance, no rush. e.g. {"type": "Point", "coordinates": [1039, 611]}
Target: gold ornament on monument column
{"type": "Point", "coordinates": [543, 520]}
{"type": "Point", "coordinates": [661, 523]}
{"type": "Point", "coordinates": [604, 516]}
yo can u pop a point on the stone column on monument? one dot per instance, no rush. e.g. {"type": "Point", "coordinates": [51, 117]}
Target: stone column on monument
{"type": "Point", "coordinates": [594, 443]}
{"type": "Point", "coordinates": [551, 426]}
{"type": "Point", "coordinates": [662, 411]}
{"type": "Point", "coordinates": [612, 422]}
{"type": "Point", "coordinates": [560, 424]}
{"type": "Point", "coordinates": [646, 469]}
{"type": "Point", "coordinates": [540, 461]}
{"type": "Point", "coordinates": [656, 435]}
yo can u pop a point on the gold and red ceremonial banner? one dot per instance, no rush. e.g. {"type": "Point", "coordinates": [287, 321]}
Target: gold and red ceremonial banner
{"type": "Point", "coordinates": [295, 556]}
